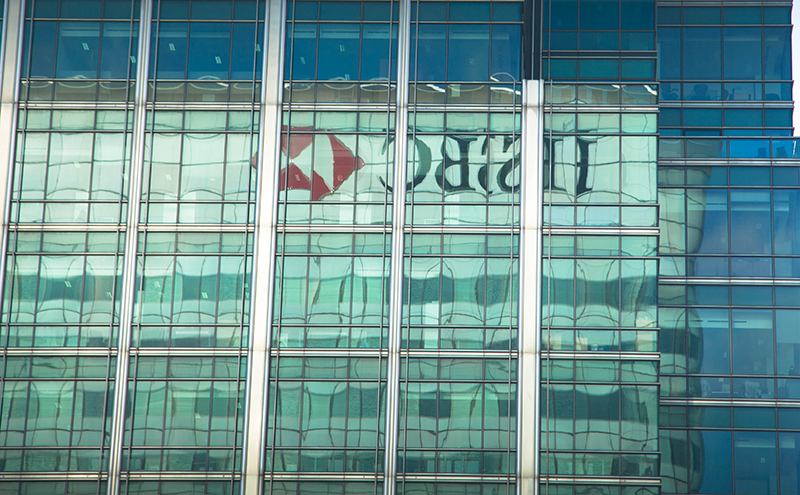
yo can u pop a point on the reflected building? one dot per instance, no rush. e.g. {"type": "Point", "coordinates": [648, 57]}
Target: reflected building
{"type": "Point", "coordinates": [399, 247]}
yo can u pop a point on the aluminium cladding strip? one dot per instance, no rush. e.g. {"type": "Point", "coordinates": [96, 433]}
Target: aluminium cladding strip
{"type": "Point", "coordinates": [265, 235]}
{"type": "Point", "coordinates": [530, 304]}
{"type": "Point", "coordinates": [10, 66]}
{"type": "Point", "coordinates": [398, 238]}
{"type": "Point", "coordinates": [131, 246]}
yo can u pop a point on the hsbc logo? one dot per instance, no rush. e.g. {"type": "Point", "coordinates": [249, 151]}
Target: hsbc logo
{"type": "Point", "coordinates": [320, 166]}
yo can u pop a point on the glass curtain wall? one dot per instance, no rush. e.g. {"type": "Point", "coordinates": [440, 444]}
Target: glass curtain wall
{"type": "Point", "coordinates": [70, 221]}
{"type": "Point", "coordinates": [326, 410]}
{"type": "Point", "coordinates": [728, 298]}
{"type": "Point", "coordinates": [62, 298]}
{"type": "Point", "coordinates": [725, 69]}
{"type": "Point", "coordinates": [457, 417]}
{"type": "Point", "coordinates": [184, 414]}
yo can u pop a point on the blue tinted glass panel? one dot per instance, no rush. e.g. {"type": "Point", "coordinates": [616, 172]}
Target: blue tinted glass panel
{"type": "Point", "coordinates": [209, 50]}
{"type": "Point", "coordinates": [742, 53]}
{"type": "Point", "coordinates": [702, 55]}
{"type": "Point", "coordinates": [467, 57]}
{"type": "Point", "coordinates": [600, 14]}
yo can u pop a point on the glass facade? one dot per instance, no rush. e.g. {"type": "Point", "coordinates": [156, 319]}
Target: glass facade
{"type": "Point", "coordinates": [399, 247]}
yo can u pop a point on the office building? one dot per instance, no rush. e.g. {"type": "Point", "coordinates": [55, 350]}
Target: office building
{"type": "Point", "coordinates": [385, 247]}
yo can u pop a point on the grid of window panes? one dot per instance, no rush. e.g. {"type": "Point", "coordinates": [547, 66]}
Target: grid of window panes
{"type": "Point", "coordinates": [599, 328]}
{"type": "Point", "coordinates": [185, 415]}
{"type": "Point", "coordinates": [596, 40]}
{"type": "Point", "coordinates": [68, 207]}
{"type": "Point", "coordinates": [733, 340]}
{"type": "Point", "coordinates": [460, 300]}
{"type": "Point", "coordinates": [736, 449]}
{"type": "Point", "coordinates": [725, 69]}
{"type": "Point", "coordinates": [326, 410]}
{"type": "Point", "coordinates": [79, 50]}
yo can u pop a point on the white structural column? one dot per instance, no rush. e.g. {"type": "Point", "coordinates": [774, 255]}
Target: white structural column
{"type": "Point", "coordinates": [263, 277]}
{"type": "Point", "coordinates": [530, 302]}
{"type": "Point", "coordinates": [131, 245]}
{"type": "Point", "coordinates": [10, 64]}
{"type": "Point", "coordinates": [398, 234]}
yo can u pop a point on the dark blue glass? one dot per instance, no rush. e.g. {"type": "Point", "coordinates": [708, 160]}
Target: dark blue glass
{"type": "Point", "coordinates": [669, 15]}
{"type": "Point", "coordinates": [670, 117]}
{"type": "Point", "coordinates": [45, 9]}
{"type": "Point", "coordinates": [714, 452]}
{"type": "Point", "coordinates": [669, 53]}
{"type": "Point", "coordinates": [243, 50]}
{"type": "Point", "coordinates": [753, 417]}
{"type": "Point", "coordinates": [702, 54]}
{"type": "Point", "coordinates": [563, 14]}
{"type": "Point", "coordinates": [563, 69]}
{"type": "Point", "coordinates": [209, 50]}
{"type": "Point", "coordinates": [751, 231]}
{"type": "Point", "coordinates": [714, 228]}
{"type": "Point", "coordinates": [638, 41]}
{"type": "Point", "coordinates": [304, 52]}
{"type": "Point", "coordinates": [710, 417]}
{"type": "Point", "coordinates": [115, 57]}
{"type": "Point", "coordinates": [599, 40]}
{"type": "Point", "coordinates": [470, 11]}
{"type": "Point", "coordinates": [599, 69]}
{"type": "Point", "coordinates": [749, 148]}
{"type": "Point", "coordinates": [708, 295]}
{"type": "Point", "coordinates": [777, 117]}
{"type": "Point", "coordinates": [787, 296]}
{"type": "Point", "coordinates": [708, 267]}
{"type": "Point", "coordinates": [78, 50]}
{"type": "Point", "coordinates": [172, 49]}
{"type": "Point", "coordinates": [81, 9]}
{"type": "Point", "coordinates": [749, 176]}
{"type": "Point", "coordinates": [741, 117]}
{"type": "Point", "coordinates": [751, 267]}
{"type": "Point", "coordinates": [306, 11]}
{"type": "Point", "coordinates": [755, 462]}
{"type": "Point", "coordinates": [118, 9]}
{"type": "Point", "coordinates": [340, 11]}
{"type": "Point", "coordinates": [431, 11]}
{"type": "Point", "coordinates": [786, 205]}
{"type": "Point", "coordinates": [786, 176]}
{"type": "Point", "coordinates": [467, 53]}
{"type": "Point", "coordinates": [751, 295]}
{"type": "Point", "coordinates": [638, 15]}
{"type": "Point", "coordinates": [702, 117]}
{"type": "Point", "coordinates": [638, 70]}
{"type": "Point", "coordinates": [430, 52]}
{"type": "Point", "coordinates": [245, 10]}
{"type": "Point", "coordinates": [376, 55]}
{"type": "Point", "coordinates": [742, 15]}
{"type": "Point", "coordinates": [338, 52]}
{"type": "Point", "coordinates": [174, 9]}
{"type": "Point", "coordinates": [789, 445]}
{"type": "Point", "coordinates": [43, 50]}
{"type": "Point", "coordinates": [777, 53]}
{"type": "Point", "coordinates": [701, 15]}
{"type": "Point", "coordinates": [752, 342]}
{"type": "Point", "coordinates": [708, 333]}
{"type": "Point", "coordinates": [600, 14]}
{"type": "Point", "coordinates": [777, 15]}
{"type": "Point", "coordinates": [217, 10]}
{"type": "Point", "coordinates": [562, 40]}
{"type": "Point", "coordinates": [506, 11]}
{"type": "Point", "coordinates": [506, 55]}
{"type": "Point", "coordinates": [742, 53]}
{"type": "Point", "coordinates": [378, 11]}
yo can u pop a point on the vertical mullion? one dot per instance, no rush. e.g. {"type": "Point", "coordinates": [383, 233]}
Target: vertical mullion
{"type": "Point", "coordinates": [530, 280]}
{"type": "Point", "coordinates": [130, 255]}
{"type": "Point", "coordinates": [10, 66]}
{"type": "Point", "coordinates": [396, 263]}
{"type": "Point", "coordinates": [264, 246]}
